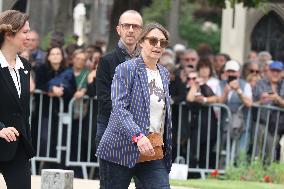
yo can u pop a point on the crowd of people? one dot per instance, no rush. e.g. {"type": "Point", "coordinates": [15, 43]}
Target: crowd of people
{"type": "Point", "coordinates": [196, 76]}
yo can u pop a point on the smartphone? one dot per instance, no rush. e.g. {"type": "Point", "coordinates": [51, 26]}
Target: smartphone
{"type": "Point", "coordinates": [231, 78]}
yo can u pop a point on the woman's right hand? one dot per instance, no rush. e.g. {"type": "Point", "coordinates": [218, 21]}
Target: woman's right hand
{"type": "Point", "coordinates": [145, 147]}
{"type": "Point", "coordinates": [9, 134]}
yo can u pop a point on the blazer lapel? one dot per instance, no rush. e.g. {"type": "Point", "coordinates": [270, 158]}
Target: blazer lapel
{"type": "Point", "coordinates": [24, 82]}
{"type": "Point", "coordinates": [10, 84]}
{"type": "Point", "coordinates": [144, 83]}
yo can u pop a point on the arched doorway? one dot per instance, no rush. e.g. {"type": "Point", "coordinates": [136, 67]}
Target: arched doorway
{"type": "Point", "coordinates": [268, 34]}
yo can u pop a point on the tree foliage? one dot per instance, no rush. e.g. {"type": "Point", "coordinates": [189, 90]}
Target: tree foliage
{"type": "Point", "coordinates": [189, 27]}
{"type": "Point", "coordinates": [157, 12]}
{"type": "Point", "coordinates": [191, 30]}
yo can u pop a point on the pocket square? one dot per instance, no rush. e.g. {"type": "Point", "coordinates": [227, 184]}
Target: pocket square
{"type": "Point", "coordinates": [26, 71]}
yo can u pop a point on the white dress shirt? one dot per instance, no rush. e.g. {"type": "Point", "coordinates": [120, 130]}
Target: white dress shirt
{"type": "Point", "coordinates": [14, 72]}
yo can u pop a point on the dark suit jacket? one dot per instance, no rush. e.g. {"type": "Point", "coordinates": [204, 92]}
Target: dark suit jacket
{"type": "Point", "coordinates": [105, 73]}
{"type": "Point", "coordinates": [14, 111]}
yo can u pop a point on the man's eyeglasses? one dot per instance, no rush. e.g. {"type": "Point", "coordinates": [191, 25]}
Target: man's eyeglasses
{"type": "Point", "coordinates": [254, 71]}
{"type": "Point", "coordinates": [154, 41]}
{"type": "Point", "coordinates": [127, 26]}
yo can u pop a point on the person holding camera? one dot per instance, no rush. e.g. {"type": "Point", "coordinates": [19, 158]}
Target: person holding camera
{"type": "Point", "coordinates": [270, 91]}
{"type": "Point", "coordinates": [235, 92]}
{"type": "Point", "coordinates": [198, 91]}
{"type": "Point", "coordinates": [196, 129]}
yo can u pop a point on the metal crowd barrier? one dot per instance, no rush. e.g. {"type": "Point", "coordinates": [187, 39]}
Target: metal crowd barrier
{"type": "Point", "coordinates": [46, 128]}
{"type": "Point", "coordinates": [262, 132]}
{"type": "Point", "coordinates": [208, 146]}
{"type": "Point", "coordinates": [53, 131]}
{"type": "Point", "coordinates": [222, 146]}
{"type": "Point", "coordinates": [80, 135]}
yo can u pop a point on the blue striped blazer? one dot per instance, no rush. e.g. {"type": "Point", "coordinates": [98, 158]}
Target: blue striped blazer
{"type": "Point", "coordinates": [131, 114]}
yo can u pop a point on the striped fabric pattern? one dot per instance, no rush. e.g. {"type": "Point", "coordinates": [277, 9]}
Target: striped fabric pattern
{"type": "Point", "coordinates": [131, 114]}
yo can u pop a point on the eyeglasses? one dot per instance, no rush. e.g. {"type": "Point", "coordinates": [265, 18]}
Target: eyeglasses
{"type": "Point", "coordinates": [154, 41]}
{"type": "Point", "coordinates": [191, 78]}
{"type": "Point", "coordinates": [127, 26]}
{"type": "Point", "coordinates": [254, 71]}
{"type": "Point", "coordinates": [189, 59]}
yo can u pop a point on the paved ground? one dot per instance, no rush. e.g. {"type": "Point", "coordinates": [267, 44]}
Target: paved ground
{"type": "Point", "coordinates": [78, 184]}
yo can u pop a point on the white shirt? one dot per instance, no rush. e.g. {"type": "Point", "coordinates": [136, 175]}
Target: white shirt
{"type": "Point", "coordinates": [213, 83]}
{"type": "Point", "coordinates": [157, 101]}
{"type": "Point", "coordinates": [14, 72]}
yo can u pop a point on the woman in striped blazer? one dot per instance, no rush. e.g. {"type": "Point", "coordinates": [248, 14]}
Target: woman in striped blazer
{"type": "Point", "coordinates": [140, 106]}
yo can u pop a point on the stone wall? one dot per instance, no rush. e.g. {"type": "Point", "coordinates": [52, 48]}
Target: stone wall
{"type": "Point", "coordinates": [237, 26]}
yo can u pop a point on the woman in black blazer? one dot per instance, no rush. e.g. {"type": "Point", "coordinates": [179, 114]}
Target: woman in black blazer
{"type": "Point", "coordinates": [15, 138]}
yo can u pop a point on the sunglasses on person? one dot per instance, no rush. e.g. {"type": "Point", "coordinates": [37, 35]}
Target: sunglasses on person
{"type": "Point", "coordinates": [127, 26]}
{"type": "Point", "coordinates": [191, 78]}
{"type": "Point", "coordinates": [154, 41]}
{"type": "Point", "coordinates": [254, 71]}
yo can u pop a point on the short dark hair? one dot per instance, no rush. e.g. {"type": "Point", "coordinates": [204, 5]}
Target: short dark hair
{"type": "Point", "coordinates": [226, 56]}
{"type": "Point", "coordinates": [205, 62]}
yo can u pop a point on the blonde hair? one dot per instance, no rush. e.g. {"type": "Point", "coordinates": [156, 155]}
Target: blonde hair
{"type": "Point", "coordinates": [11, 21]}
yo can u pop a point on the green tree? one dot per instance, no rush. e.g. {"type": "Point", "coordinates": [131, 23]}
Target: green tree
{"type": "Point", "coordinates": [191, 30]}
{"type": "Point", "coordinates": [157, 12]}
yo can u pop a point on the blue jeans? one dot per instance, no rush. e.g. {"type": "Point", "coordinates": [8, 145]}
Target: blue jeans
{"type": "Point", "coordinates": [151, 175]}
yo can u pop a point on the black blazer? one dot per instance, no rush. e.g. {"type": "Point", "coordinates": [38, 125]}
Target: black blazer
{"type": "Point", "coordinates": [105, 73]}
{"type": "Point", "coordinates": [15, 111]}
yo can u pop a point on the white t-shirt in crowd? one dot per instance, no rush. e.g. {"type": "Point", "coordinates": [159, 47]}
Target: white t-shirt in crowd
{"type": "Point", "coordinates": [157, 101]}
{"type": "Point", "coordinates": [213, 83]}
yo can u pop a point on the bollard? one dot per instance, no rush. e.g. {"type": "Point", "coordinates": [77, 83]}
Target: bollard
{"type": "Point", "coordinates": [57, 179]}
